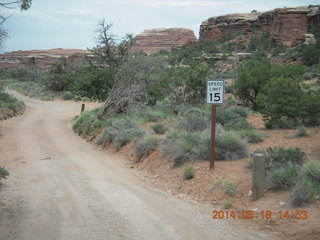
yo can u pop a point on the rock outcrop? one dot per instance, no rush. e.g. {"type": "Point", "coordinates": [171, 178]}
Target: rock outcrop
{"type": "Point", "coordinates": [40, 59]}
{"type": "Point", "coordinates": [286, 25]}
{"type": "Point", "coordinates": [154, 40]}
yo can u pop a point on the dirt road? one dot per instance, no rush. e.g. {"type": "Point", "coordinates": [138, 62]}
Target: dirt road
{"type": "Point", "coordinates": [62, 187]}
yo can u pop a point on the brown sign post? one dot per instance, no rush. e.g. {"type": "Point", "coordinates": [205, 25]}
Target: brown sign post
{"type": "Point", "coordinates": [215, 96]}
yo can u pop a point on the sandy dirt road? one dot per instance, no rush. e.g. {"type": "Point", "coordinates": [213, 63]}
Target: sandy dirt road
{"type": "Point", "coordinates": [61, 187]}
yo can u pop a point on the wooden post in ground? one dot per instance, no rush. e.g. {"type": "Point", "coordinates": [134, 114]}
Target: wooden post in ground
{"type": "Point", "coordinates": [82, 107]}
{"type": "Point", "coordinates": [259, 176]}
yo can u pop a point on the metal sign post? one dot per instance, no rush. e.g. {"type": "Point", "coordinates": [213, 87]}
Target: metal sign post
{"type": "Point", "coordinates": [215, 96]}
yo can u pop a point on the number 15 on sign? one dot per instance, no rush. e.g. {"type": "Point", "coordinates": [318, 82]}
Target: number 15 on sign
{"type": "Point", "coordinates": [215, 91]}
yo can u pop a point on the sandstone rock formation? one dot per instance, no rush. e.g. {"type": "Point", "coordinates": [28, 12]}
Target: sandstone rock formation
{"type": "Point", "coordinates": [154, 40]}
{"type": "Point", "coordinates": [41, 59]}
{"type": "Point", "coordinates": [286, 25]}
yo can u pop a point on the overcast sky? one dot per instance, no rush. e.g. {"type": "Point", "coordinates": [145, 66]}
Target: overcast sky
{"type": "Point", "coordinates": [72, 23]}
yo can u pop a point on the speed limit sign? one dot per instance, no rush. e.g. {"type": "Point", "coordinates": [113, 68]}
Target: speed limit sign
{"type": "Point", "coordinates": [215, 96]}
{"type": "Point", "coordinates": [215, 92]}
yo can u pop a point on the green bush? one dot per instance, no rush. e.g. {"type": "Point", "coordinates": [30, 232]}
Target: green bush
{"type": "Point", "coordinates": [188, 173]}
{"type": "Point", "coordinates": [238, 124]}
{"type": "Point", "coordinates": [159, 128]}
{"type": "Point", "coordinates": [230, 146]}
{"type": "Point", "coordinates": [252, 135]}
{"type": "Point", "coordinates": [10, 103]}
{"type": "Point", "coordinates": [193, 122]}
{"type": "Point", "coordinates": [3, 172]}
{"type": "Point", "coordinates": [155, 116]}
{"type": "Point", "coordinates": [227, 204]}
{"type": "Point", "coordinates": [143, 147]}
{"type": "Point", "coordinates": [301, 132]}
{"type": "Point", "coordinates": [285, 103]}
{"type": "Point", "coordinates": [87, 123]}
{"type": "Point", "coordinates": [308, 187]}
{"type": "Point", "coordinates": [224, 116]}
{"type": "Point", "coordinates": [68, 95]}
{"type": "Point", "coordinates": [120, 131]}
{"type": "Point", "coordinates": [230, 188]}
{"type": "Point", "coordinates": [281, 157]}
{"type": "Point", "coordinates": [283, 177]}
{"type": "Point", "coordinates": [241, 111]}
{"type": "Point", "coordinates": [299, 197]}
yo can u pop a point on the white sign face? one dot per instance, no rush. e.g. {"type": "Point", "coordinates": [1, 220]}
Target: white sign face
{"type": "Point", "coordinates": [215, 91]}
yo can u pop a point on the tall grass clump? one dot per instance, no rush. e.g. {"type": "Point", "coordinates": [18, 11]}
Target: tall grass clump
{"type": "Point", "coordinates": [159, 128]}
{"type": "Point", "coordinates": [87, 123]}
{"type": "Point", "coordinates": [301, 131]}
{"type": "Point", "coordinates": [143, 147]}
{"type": "Point", "coordinates": [188, 173]}
{"type": "Point", "coordinates": [230, 146]}
{"type": "Point", "coordinates": [120, 131]}
{"type": "Point", "coordinates": [252, 136]}
{"type": "Point", "coordinates": [3, 174]}
{"type": "Point", "coordinates": [230, 188]}
{"type": "Point", "coordinates": [308, 186]}
{"type": "Point", "coordinates": [183, 146]}
{"type": "Point", "coordinates": [279, 157]}
{"type": "Point", "coordinates": [10, 106]}
{"type": "Point", "coordinates": [193, 120]}
{"type": "Point", "coordinates": [283, 177]}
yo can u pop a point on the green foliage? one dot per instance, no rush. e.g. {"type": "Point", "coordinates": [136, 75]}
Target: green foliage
{"type": "Point", "coordinates": [284, 99]}
{"type": "Point", "coordinates": [143, 147]}
{"type": "Point", "coordinates": [188, 173]}
{"type": "Point", "coordinates": [241, 111]}
{"type": "Point", "coordinates": [7, 102]}
{"type": "Point", "coordinates": [87, 124]}
{"type": "Point", "coordinates": [283, 177]}
{"type": "Point", "coordinates": [188, 83]}
{"type": "Point", "coordinates": [301, 131]}
{"type": "Point", "coordinates": [159, 128]}
{"type": "Point", "coordinates": [68, 95]}
{"type": "Point", "coordinates": [308, 187]}
{"type": "Point", "coordinates": [230, 188]}
{"type": "Point", "coordinates": [155, 116]}
{"type": "Point", "coordinates": [224, 116]}
{"type": "Point", "coordinates": [32, 89]}
{"type": "Point", "coordinates": [120, 131]}
{"type": "Point", "coordinates": [299, 197]}
{"type": "Point", "coordinates": [193, 121]}
{"type": "Point", "coordinates": [255, 73]}
{"type": "Point", "coordinates": [89, 81]}
{"type": "Point", "coordinates": [252, 136]}
{"type": "Point", "coordinates": [280, 157]}
{"type": "Point", "coordinates": [183, 146]}
{"type": "Point", "coordinates": [227, 204]}
{"type": "Point", "coordinates": [26, 74]}
{"type": "Point", "coordinates": [238, 124]}
{"type": "Point", "coordinates": [3, 172]}
{"type": "Point", "coordinates": [230, 146]}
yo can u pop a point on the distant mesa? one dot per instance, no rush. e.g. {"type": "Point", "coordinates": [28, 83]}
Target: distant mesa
{"type": "Point", "coordinates": [286, 25]}
{"type": "Point", "coordinates": [154, 40]}
{"type": "Point", "coordinates": [41, 59]}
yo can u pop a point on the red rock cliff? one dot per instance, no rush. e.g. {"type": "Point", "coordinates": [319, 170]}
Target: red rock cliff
{"type": "Point", "coordinates": [286, 25]}
{"type": "Point", "coordinates": [154, 40]}
{"type": "Point", "coordinates": [41, 59]}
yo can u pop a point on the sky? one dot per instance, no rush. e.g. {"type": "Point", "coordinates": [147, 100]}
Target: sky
{"type": "Point", "coordinates": [72, 23]}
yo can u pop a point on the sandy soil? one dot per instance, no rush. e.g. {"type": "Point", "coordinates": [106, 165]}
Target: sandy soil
{"type": "Point", "coordinates": [62, 187]}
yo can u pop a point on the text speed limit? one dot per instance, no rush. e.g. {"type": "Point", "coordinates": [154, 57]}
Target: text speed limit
{"type": "Point", "coordinates": [215, 91]}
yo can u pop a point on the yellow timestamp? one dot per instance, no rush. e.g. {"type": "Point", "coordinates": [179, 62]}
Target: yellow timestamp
{"type": "Point", "coordinates": [264, 214]}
